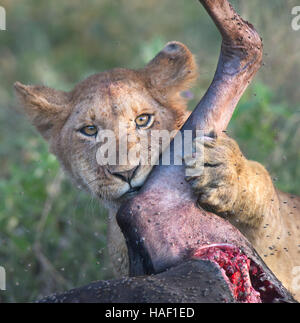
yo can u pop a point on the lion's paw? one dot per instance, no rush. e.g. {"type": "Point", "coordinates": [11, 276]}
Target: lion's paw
{"type": "Point", "coordinates": [214, 174]}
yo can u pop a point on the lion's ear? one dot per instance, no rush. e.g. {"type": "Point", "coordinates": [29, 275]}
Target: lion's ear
{"type": "Point", "coordinates": [172, 70]}
{"type": "Point", "coordinates": [46, 108]}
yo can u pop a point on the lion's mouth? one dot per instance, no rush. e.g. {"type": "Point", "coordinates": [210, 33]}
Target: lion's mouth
{"type": "Point", "coordinates": [246, 279]}
{"type": "Point", "coordinates": [134, 189]}
{"type": "Point", "coordinates": [131, 192]}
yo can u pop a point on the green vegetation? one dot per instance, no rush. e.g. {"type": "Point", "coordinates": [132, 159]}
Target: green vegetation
{"type": "Point", "coordinates": [52, 236]}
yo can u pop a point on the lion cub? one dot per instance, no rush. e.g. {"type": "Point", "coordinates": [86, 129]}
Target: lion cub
{"type": "Point", "coordinates": [149, 99]}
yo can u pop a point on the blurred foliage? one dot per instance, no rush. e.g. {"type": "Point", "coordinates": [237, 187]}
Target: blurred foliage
{"type": "Point", "coordinates": [52, 235]}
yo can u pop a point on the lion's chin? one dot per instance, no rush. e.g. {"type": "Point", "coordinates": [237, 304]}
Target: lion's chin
{"type": "Point", "coordinates": [118, 194]}
{"type": "Point", "coordinates": [120, 191]}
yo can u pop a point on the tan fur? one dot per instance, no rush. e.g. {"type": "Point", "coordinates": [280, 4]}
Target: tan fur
{"type": "Point", "coordinates": [242, 191]}
{"type": "Point", "coordinates": [105, 100]}
{"type": "Point", "coordinates": [230, 185]}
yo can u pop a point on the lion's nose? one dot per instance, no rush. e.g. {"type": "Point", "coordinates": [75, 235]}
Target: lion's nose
{"type": "Point", "coordinates": [125, 175]}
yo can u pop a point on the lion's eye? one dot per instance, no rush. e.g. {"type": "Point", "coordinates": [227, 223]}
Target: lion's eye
{"type": "Point", "coordinates": [89, 131]}
{"type": "Point", "coordinates": [144, 120]}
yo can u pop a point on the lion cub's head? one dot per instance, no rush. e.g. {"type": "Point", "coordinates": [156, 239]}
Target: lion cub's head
{"type": "Point", "coordinates": [140, 100]}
